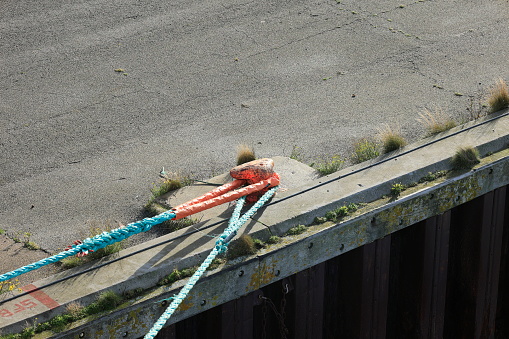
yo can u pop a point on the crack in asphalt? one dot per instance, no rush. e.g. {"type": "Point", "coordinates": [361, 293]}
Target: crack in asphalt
{"type": "Point", "coordinates": [291, 42]}
{"type": "Point", "coordinates": [362, 18]}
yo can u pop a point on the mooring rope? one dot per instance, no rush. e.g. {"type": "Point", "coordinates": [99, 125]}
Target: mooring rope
{"type": "Point", "coordinates": [235, 223]}
{"type": "Point", "coordinates": [93, 244]}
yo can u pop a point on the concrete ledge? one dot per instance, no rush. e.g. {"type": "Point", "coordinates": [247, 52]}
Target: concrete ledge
{"type": "Point", "coordinates": [145, 269]}
{"type": "Point", "coordinates": [401, 167]}
{"type": "Point", "coordinates": [319, 243]}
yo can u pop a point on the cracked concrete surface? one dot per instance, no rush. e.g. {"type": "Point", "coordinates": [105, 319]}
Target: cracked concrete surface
{"type": "Point", "coordinates": [79, 141]}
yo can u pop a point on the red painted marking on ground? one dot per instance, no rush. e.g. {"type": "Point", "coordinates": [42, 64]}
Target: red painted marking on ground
{"type": "Point", "coordinates": [41, 296]}
{"type": "Point", "coordinates": [22, 306]}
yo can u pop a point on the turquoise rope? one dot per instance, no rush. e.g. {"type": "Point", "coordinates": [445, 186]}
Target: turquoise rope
{"type": "Point", "coordinates": [95, 243]}
{"type": "Point", "coordinates": [235, 223]}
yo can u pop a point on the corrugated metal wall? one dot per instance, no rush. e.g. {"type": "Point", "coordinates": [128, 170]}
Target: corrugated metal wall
{"type": "Point", "coordinates": [445, 277]}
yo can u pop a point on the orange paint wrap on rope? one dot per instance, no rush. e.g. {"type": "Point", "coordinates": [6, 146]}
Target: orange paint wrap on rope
{"type": "Point", "coordinates": [186, 209]}
{"type": "Point", "coordinates": [214, 193]}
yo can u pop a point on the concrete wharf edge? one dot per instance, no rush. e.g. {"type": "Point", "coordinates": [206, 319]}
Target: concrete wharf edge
{"type": "Point", "coordinates": [144, 270]}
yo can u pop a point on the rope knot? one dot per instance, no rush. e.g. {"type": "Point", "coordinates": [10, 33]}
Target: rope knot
{"type": "Point", "coordinates": [83, 250]}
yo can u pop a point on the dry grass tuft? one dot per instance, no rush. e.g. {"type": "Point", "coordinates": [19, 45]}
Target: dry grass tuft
{"type": "Point", "coordinates": [391, 139]}
{"type": "Point", "coordinates": [245, 154]}
{"type": "Point", "coordinates": [244, 245]}
{"type": "Point", "coordinates": [436, 121]}
{"type": "Point", "coordinates": [465, 158]}
{"type": "Point", "coordinates": [75, 309]}
{"type": "Point", "coordinates": [499, 96]}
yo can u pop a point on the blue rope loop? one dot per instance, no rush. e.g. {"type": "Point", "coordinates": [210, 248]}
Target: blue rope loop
{"type": "Point", "coordinates": [235, 223]}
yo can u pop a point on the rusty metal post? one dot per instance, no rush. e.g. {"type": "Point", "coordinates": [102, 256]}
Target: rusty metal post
{"type": "Point", "coordinates": [309, 302]}
{"type": "Point", "coordinates": [434, 276]}
{"type": "Point", "coordinates": [375, 288]}
{"type": "Point", "coordinates": [489, 266]}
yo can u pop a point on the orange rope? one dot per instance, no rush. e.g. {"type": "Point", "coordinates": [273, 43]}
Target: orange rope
{"type": "Point", "coordinates": [257, 174]}
{"type": "Point", "coordinates": [187, 209]}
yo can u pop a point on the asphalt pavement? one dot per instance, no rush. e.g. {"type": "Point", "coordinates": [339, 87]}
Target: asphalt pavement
{"type": "Point", "coordinates": [97, 96]}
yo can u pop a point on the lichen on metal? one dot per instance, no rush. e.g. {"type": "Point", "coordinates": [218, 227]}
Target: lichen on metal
{"type": "Point", "coordinates": [116, 328]}
{"type": "Point", "coordinates": [263, 274]}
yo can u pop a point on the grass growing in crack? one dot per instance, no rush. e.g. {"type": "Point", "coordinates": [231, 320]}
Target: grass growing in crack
{"type": "Point", "coordinates": [27, 333]}
{"type": "Point", "coordinates": [71, 262]}
{"type": "Point", "coordinates": [218, 261]}
{"type": "Point", "coordinates": [171, 181]}
{"type": "Point", "coordinates": [24, 238]}
{"type": "Point", "coordinates": [436, 121]}
{"type": "Point", "coordinates": [337, 213]}
{"type": "Point", "coordinates": [331, 216]}
{"type": "Point", "coordinates": [396, 189]}
{"type": "Point", "coordinates": [31, 245]}
{"type": "Point", "coordinates": [165, 187]}
{"type": "Point", "coordinates": [56, 324]}
{"type": "Point", "coordinates": [431, 176]}
{"type": "Point", "coordinates": [105, 251]}
{"type": "Point", "coordinates": [177, 275]}
{"type": "Point", "coordinates": [391, 139]}
{"type": "Point", "coordinates": [245, 154]}
{"type": "Point", "coordinates": [328, 166]}
{"type": "Point", "coordinates": [106, 301]}
{"type": "Point", "coordinates": [364, 149]}
{"type": "Point", "coordinates": [274, 239]}
{"type": "Point", "coordinates": [259, 244]}
{"type": "Point", "coordinates": [170, 184]}
{"type": "Point", "coordinates": [296, 154]}
{"type": "Point", "coordinates": [319, 220]}
{"type": "Point", "coordinates": [499, 96]}
{"type": "Point", "coordinates": [9, 286]}
{"type": "Point", "coordinates": [296, 230]}
{"type": "Point", "coordinates": [133, 293]}
{"type": "Point", "coordinates": [153, 208]}
{"type": "Point", "coordinates": [465, 158]}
